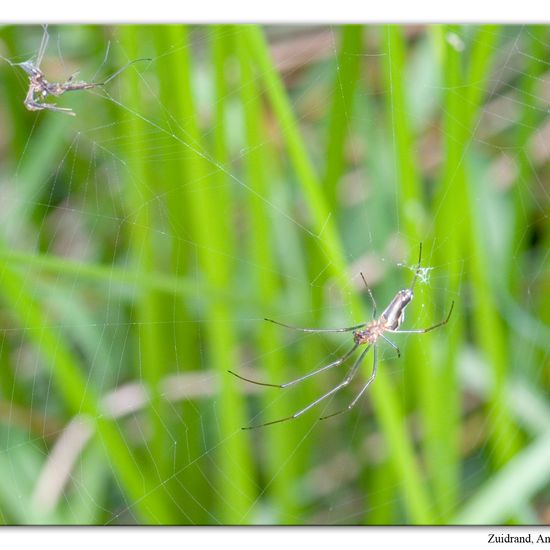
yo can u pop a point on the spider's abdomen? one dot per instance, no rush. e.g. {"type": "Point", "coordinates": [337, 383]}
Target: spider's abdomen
{"type": "Point", "coordinates": [394, 314]}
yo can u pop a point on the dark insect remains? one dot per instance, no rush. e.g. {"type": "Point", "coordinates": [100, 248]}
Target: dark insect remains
{"type": "Point", "coordinates": [40, 88]}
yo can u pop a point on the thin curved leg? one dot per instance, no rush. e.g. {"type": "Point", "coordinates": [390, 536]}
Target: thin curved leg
{"type": "Point", "coordinates": [364, 389]}
{"type": "Point", "coordinates": [305, 377]}
{"type": "Point", "coordinates": [342, 384]}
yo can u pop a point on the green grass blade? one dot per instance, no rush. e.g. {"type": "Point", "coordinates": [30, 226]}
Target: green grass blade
{"type": "Point", "coordinates": [128, 280]}
{"type": "Point", "coordinates": [511, 487]}
{"type": "Point", "coordinates": [347, 76]}
{"type": "Point", "coordinates": [488, 326]}
{"type": "Point", "coordinates": [205, 203]}
{"type": "Point", "coordinates": [460, 225]}
{"type": "Point", "coordinates": [74, 389]}
{"type": "Point", "coordinates": [266, 287]}
{"type": "Point", "coordinates": [45, 149]}
{"type": "Point", "coordinates": [437, 394]}
{"type": "Point", "coordinates": [151, 360]}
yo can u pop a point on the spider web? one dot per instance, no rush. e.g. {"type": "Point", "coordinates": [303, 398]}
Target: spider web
{"type": "Point", "coordinates": [71, 219]}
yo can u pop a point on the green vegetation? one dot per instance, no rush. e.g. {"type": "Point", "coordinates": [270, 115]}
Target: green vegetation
{"type": "Point", "coordinates": [249, 172]}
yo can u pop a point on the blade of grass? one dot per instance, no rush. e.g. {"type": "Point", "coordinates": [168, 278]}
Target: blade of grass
{"type": "Point", "coordinates": [47, 146]}
{"type": "Point", "coordinates": [89, 486]}
{"type": "Point", "coordinates": [378, 214]}
{"type": "Point", "coordinates": [527, 208]}
{"type": "Point", "coordinates": [83, 329]}
{"type": "Point", "coordinates": [347, 75]}
{"type": "Point", "coordinates": [383, 492]}
{"type": "Point", "coordinates": [460, 226]}
{"type": "Point", "coordinates": [129, 279]}
{"type": "Point", "coordinates": [19, 467]}
{"type": "Point", "coordinates": [173, 74]}
{"type": "Point", "coordinates": [437, 391]}
{"type": "Point", "coordinates": [77, 394]}
{"type": "Point", "coordinates": [531, 116]}
{"type": "Point", "coordinates": [185, 331]}
{"type": "Point", "coordinates": [151, 360]}
{"type": "Point", "coordinates": [448, 210]}
{"type": "Point", "coordinates": [212, 232]}
{"type": "Point", "coordinates": [407, 174]}
{"type": "Point", "coordinates": [511, 487]}
{"type": "Point", "coordinates": [528, 403]}
{"type": "Point", "coordinates": [282, 443]}
{"type": "Point", "coordinates": [14, 87]}
{"type": "Point", "coordinates": [488, 326]}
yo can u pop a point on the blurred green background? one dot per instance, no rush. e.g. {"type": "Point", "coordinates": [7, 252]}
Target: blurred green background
{"type": "Point", "coordinates": [248, 172]}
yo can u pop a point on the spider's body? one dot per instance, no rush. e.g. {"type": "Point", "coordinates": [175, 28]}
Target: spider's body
{"type": "Point", "coordinates": [367, 334]}
{"type": "Point", "coordinates": [33, 72]}
{"type": "Point", "coordinates": [370, 333]}
{"type": "Point", "coordinates": [390, 320]}
{"type": "Point", "coordinates": [43, 87]}
{"type": "Point", "coordinates": [40, 88]}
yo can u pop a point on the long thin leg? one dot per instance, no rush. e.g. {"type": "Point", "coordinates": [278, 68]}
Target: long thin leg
{"type": "Point", "coordinates": [9, 61]}
{"type": "Point", "coordinates": [52, 107]}
{"type": "Point", "coordinates": [347, 329]}
{"type": "Point", "coordinates": [392, 345]}
{"type": "Point", "coordinates": [302, 378]}
{"type": "Point", "coordinates": [353, 403]}
{"type": "Point", "coordinates": [424, 330]}
{"type": "Point", "coordinates": [105, 57]}
{"type": "Point", "coordinates": [60, 55]}
{"type": "Point", "coordinates": [123, 68]}
{"type": "Point", "coordinates": [371, 296]}
{"type": "Point", "coordinates": [417, 267]}
{"type": "Point", "coordinates": [39, 56]}
{"type": "Point", "coordinates": [72, 78]}
{"type": "Point", "coordinates": [29, 102]}
{"type": "Point", "coordinates": [43, 46]}
{"type": "Point", "coordinates": [342, 384]}
{"type": "Point", "coordinates": [33, 105]}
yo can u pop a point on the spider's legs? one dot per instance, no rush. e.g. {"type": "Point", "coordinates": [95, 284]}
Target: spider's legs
{"type": "Point", "coordinates": [9, 61]}
{"type": "Point", "coordinates": [105, 57]}
{"type": "Point", "coordinates": [392, 345]}
{"type": "Point", "coordinates": [123, 68]}
{"type": "Point", "coordinates": [35, 106]}
{"type": "Point", "coordinates": [424, 330]}
{"type": "Point", "coordinates": [43, 46]}
{"type": "Point", "coordinates": [347, 329]}
{"type": "Point", "coordinates": [416, 271]}
{"type": "Point", "coordinates": [30, 103]}
{"type": "Point", "coordinates": [354, 402]}
{"type": "Point", "coordinates": [342, 384]}
{"type": "Point", "coordinates": [306, 376]}
{"type": "Point", "coordinates": [72, 77]}
{"type": "Point", "coordinates": [371, 296]}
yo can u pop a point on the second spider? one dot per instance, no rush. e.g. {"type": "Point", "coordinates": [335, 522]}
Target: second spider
{"type": "Point", "coordinates": [366, 334]}
{"type": "Point", "coordinates": [40, 88]}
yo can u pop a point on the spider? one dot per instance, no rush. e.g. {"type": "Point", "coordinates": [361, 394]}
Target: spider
{"type": "Point", "coordinates": [363, 334]}
{"type": "Point", "coordinates": [40, 88]}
